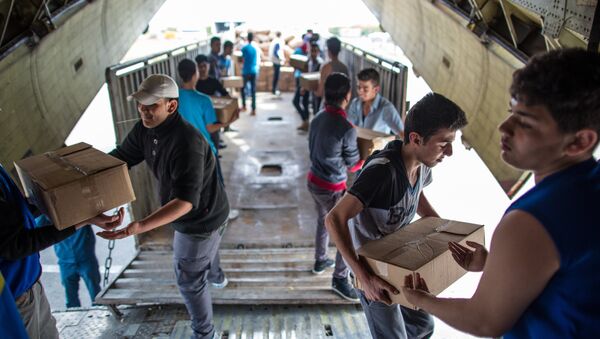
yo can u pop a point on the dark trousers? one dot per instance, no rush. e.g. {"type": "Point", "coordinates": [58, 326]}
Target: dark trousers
{"type": "Point", "coordinates": [302, 109]}
{"type": "Point", "coordinates": [249, 79]}
{"type": "Point", "coordinates": [395, 321]}
{"type": "Point", "coordinates": [195, 260]}
{"type": "Point", "coordinates": [276, 69]}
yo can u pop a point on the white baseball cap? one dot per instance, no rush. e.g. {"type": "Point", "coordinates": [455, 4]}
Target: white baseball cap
{"type": "Point", "coordinates": [154, 88]}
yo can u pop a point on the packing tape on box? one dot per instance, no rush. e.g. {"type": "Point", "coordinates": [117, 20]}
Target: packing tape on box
{"type": "Point", "coordinates": [64, 163]}
{"type": "Point", "coordinates": [420, 246]}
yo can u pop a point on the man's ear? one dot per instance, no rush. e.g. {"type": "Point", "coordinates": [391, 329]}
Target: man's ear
{"type": "Point", "coordinates": [172, 106]}
{"type": "Point", "coordinates": [583, 142]}
{"type": "Point", "coordinates": [414, 138]}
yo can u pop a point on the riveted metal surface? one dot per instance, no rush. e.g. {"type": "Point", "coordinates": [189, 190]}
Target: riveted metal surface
{"type": "Point", "coordinates": [231, 322]}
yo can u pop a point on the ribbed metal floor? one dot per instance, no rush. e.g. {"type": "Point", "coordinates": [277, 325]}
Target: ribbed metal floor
{"type": "Point", "coordinates": [231, 322]}
{"type": "Point", "coordinates": [256, 276]}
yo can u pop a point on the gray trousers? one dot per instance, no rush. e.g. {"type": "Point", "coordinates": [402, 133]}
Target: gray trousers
{"type": "Point", "coordinates": [324, 202]}
{"type": "Point", "coordinates": [395, 321]}
{"type": "Point", "coordinates": [35, 312]}
{"type": "Point", "coordinates": [193, 259]}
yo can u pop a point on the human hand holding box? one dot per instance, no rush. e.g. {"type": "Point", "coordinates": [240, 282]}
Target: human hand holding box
{"type": "Point", "coordinates": [75, 183]}
{"type": "Point", "coordinates": [420, 247]}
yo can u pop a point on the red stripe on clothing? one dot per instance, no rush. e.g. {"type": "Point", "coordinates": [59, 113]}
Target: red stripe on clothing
{"type": "Point", "coordinates": [335, 110]}
{"type": "Point", "coordinates": [340, 186]}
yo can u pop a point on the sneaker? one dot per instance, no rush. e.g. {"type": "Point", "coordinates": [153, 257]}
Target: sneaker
{"type": "Point", "coordinates": [342, 287]}
{"type": "Point", "coordinates": [303, 127]}
{"type": "Point", "coordinates": [253, 113]}
{"type": "Point", "coordinates": [322, 265]}
{"type": "Point", "coordinates": [220, 285]}
{"type": "Point", "coordinates": [229, 129]}
{"type": "Point", "coordinates": [222, 145]}
{"type": "Point", "coordinates": [233, 214]}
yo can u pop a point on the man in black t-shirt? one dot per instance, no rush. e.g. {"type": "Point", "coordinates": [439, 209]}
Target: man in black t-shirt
{"type": "Point", "coordinates": [207, 84]}
{"type": "Point", "coordinates": [193, 198]}
{"type": "Point", "coordinates": [384, 198]}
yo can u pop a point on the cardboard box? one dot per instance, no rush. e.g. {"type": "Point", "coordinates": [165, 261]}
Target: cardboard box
{"type": "Point", "coordinates": [420, 247]}
{"type": "Point", "coordinates": [75, 183]}
{"type": "Point", "coordinates": [370, 141]}
{"type": "Point", "coordinates": [232, 82]}
{"type": "Point", "coordinates": [238, 56]}
{"type": "Point", "coordinates": [310, 81]}
{"type": "Point", "coordinates": [299, 61]}
{"type": "Point", "coordinates": [224, 107]}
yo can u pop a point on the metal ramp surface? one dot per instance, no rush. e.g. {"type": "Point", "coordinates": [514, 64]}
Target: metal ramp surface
{"type": "Point", "coordinates": [256, 276]}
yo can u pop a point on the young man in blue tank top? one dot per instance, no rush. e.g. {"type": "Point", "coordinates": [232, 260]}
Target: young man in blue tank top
{"type": "Point", "coordinates": [540, 279]}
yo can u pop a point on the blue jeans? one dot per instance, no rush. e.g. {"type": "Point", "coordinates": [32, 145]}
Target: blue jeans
{"type": "Point", "coordinates": [302, 109]}
{"type": "Point", "coordinates": [71, 272]}
{"type": "Point", "coordinates": [276, 69]}
{"type": "Point", "coordinates": [249, 78]}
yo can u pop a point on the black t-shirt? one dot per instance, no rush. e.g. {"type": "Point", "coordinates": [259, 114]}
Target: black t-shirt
{"type": "Point", "coordinates": [185, 167]}
{"type": "Point", "coordinates": [389, 200]}
{"type": "Point", "coordinates": [211, 86]}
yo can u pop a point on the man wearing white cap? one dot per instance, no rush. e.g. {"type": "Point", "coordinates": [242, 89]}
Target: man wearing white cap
{"type": "Point", "coordinates": [193, 200]}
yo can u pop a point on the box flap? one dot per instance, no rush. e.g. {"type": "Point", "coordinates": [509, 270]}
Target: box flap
{"type": "Point", "coordinates": [417, 243]}
{"type": "Point", "coordinates": [299, 57]}
{"type": "Point", "coordinates": [311, 76]}
{"type": "Point", "coordinates": [54, 169]}
{"type": "Point", "coordinates": [369, 134]}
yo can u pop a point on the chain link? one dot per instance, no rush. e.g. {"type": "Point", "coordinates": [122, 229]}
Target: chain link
{"type": "Point", "coordinates": [108, 262]}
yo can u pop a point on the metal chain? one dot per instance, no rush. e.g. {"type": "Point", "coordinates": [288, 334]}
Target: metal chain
{"type": "Point", "coordinates": [108, 261]}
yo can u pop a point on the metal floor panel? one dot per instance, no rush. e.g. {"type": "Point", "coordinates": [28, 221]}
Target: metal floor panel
{"type": "Point", "coordinates": [231, 322]}
{"type": "Point", "coordinates": [256, 277]}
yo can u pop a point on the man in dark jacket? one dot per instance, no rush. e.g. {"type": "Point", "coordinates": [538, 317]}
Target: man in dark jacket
{"type": "Point", "coordinates": [193, 199]}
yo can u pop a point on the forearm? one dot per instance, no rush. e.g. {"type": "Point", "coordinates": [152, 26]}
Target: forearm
{"type": "Point", "coordinates": [462, 314]}
{"type": "Point", "coordinates": [339, 233]}
{"type": "Point", "coordinates": [424, 209]}
{"type": "Point", "coordinates": [212, 128]}
{"type": "Point", "coordinates": [168, 213]}
{"type": "Point", "coordinates": [17, 244]}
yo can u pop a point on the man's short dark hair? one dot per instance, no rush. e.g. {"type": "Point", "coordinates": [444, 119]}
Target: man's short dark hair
{"type": "Point", "coordinates": [215, 39]}
{"type": "Point", "coordinates": [186, 69]}
{"type": "Point", "coordinates": [227, 44]}
{"type": "Point", "coordinates": [315, 44]}
{"type": "Point", "coordinates": [567, 83]}
{"type": "Point", "coordinates": [250, 36]}
{"type": "Point", "coordinates": [200, 58]}
{"type": "Point", "coordinates": [334, 45]}
{"type": "Point", "coordinates": [337, 86]}
{"type": "Point", "coordinates": [369, 74]}
{"type": "Point", "coordinates": [432, 113]}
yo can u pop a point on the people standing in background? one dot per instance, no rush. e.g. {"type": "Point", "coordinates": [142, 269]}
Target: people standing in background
{"type": "Point", "coordinates": [314, 64]}
{"type": "Point", "coordinates": [225, 62]}
{"type": "Point", "coordinates": [301, 97]}
{"type": "Point", "coordinates": [76, 259]}
{"type": "Point", "coordinates": [213, 57]}
{"type": "Point", "coordinates": [277, 58]}
{"type": "Point", "coordinates": [370, 109]}
{"type": "Point", "coordinates": [250, 69]}
{"type": "Point", "coordinates": [334, 46]}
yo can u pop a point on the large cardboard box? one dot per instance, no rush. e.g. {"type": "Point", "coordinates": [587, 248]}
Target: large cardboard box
{"type": "Point", "coordinates": [370, 141]}
{"type": "Point", "coordinates": [233, 82]}
{"type": "Point", "coordinates": [420, 247]}
{"type": "Point", "coordinates": [75, 183]}
{"type": "Point", "coordinates": [299, 61]}
{"type": "Point", "coordinates": [225, 107]}
{"type": "Point", "coordinates": [287, 82]}
{"type": "Point", "coordinates": [310, 81]}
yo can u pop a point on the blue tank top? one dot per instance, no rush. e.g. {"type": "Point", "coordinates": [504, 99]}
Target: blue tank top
{"type": "Point", "coordinates": [567, 204]}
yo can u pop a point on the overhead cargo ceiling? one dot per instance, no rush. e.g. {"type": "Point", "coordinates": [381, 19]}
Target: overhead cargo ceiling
{"type": "Point", "coordinates": [468, 50]}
